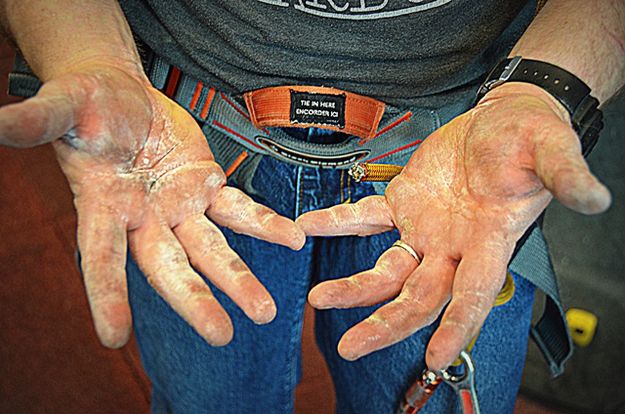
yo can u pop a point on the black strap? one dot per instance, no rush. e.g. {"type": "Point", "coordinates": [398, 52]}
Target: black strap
{"type": "Point", "coordinates": [568, 89]}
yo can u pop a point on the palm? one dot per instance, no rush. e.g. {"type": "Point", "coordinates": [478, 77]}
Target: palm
{"type": "Point", "coordinates": [469, 183]}
{"type": "Point", "coordinates": [143, 175]}
{"type": "Point", "coordinates": [464, 199]}
{"type": "Point", "coordinates": [127, 161]}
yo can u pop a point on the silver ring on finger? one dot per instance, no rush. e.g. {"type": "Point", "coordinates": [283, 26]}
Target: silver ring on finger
{"type": "Point", "coordinates": [403, 245]}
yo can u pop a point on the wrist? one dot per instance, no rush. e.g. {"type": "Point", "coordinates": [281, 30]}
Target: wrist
{"type": "Point", "coordinates": [527, 89]}
{"type": "Point", "coordinates": [128, 63]}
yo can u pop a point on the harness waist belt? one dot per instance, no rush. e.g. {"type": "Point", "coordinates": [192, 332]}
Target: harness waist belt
{"type": "Point", "coordinates": [315, 106]}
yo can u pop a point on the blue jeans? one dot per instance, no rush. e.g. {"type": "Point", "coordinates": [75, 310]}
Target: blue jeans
{"type": "Point", "coordinates": [258, 371]}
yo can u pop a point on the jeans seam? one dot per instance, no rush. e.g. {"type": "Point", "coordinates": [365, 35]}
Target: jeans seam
{"type": "Point", "coordinates": [299, 191]}
{"type": "Point", "coordinates": [296, 333]}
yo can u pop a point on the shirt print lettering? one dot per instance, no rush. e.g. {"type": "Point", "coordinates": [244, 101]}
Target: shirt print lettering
{"type": "Point", "coordinates": [359, 9]}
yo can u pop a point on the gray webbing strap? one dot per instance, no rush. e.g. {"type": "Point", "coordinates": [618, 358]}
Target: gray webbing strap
{"type": "Point", "coordinates": [551, 332]}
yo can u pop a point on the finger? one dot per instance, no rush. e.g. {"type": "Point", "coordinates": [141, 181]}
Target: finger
{"type": "Point", "coordinates": [425, 293]}
{"type": "Point", "coordinates": [160, 256]}
{"type": "Point", "coordinates": [479, 278]}
{"type": "Point", "coordinates": [366, 288]}
{"type": "Point", "coordinates": [371, 215]}
{"type": "Point", "coordinates": [564, 172]}
{"type": "Point", "coordinates": [102, 243]}
{"type": "Point", "coordinates": [38, 120]}
{"type": "Point", "coordinates": [210, 254]}
{"type": "Point", "coordinates": [234, 209]}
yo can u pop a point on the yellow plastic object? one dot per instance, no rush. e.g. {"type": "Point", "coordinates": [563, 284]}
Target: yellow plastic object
{"type": "Point", "coordinates": [507, 291]}
{"type": "Point", "coordinates": [582, 324]}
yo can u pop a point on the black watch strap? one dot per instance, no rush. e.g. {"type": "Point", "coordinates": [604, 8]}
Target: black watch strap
{"type": "Point", "coordinates": [568, 89]}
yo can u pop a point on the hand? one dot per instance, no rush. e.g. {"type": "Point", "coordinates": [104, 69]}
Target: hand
{"type": "Point", "coordinates": [141, 172]}
{"type": "Point", "coordinates": [464, 199]}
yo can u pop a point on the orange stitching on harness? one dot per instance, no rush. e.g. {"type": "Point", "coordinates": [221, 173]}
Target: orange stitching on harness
{"type": "Point", "coordinates": [172, 83]}
{"type": "Point", "coordinates": [405, 117]}
{"type": "Point", "coordinates": [233, 132]}
{"type": "Point", "coordinates": [207, 103]}
{"type": "Point", "coordinates": [196, 96]}
{"type": "Point", "coordinates": [236, 108]}
{"type": "Point", "coordinates": [236, 163]}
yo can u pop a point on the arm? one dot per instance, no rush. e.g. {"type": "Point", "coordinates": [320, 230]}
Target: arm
{"type": "Point", "coordinates": [490, 173]}
{"type": "Point", "coordinates": [140, 169]}
{"type": "Point", "coordinates": [56, 35]}
{"type": "Point", "coordinates": [587, 38]}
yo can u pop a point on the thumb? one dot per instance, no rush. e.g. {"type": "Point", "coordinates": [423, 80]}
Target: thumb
{"type": "Point", "coordinates": [564, 172]}
{"type": "Point", "coordinates": [41, 119]}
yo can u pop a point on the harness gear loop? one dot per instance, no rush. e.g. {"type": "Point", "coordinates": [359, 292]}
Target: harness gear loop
{"type": "Point", "coordinates": [422, 389]}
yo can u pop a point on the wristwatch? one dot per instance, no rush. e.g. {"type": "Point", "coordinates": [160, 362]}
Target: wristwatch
{"type": "Point", "coordinates": [565, 87]}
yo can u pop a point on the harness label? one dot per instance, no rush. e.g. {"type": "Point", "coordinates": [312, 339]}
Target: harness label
{"type": "Point", "coordinates": [317, 108]}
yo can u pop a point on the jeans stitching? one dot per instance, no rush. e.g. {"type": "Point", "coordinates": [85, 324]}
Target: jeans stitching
{"type": "Point", "coordinates": [296, 336]}
{"type": "Point", "coordinates": [299, 191]}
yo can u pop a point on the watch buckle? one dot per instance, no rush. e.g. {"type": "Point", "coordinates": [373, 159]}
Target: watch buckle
{"type": "Point", "coordinates": [509, 69]}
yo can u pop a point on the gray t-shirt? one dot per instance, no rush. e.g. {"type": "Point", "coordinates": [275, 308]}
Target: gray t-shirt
{"type": "Point", "coordinates": [393, 50]}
